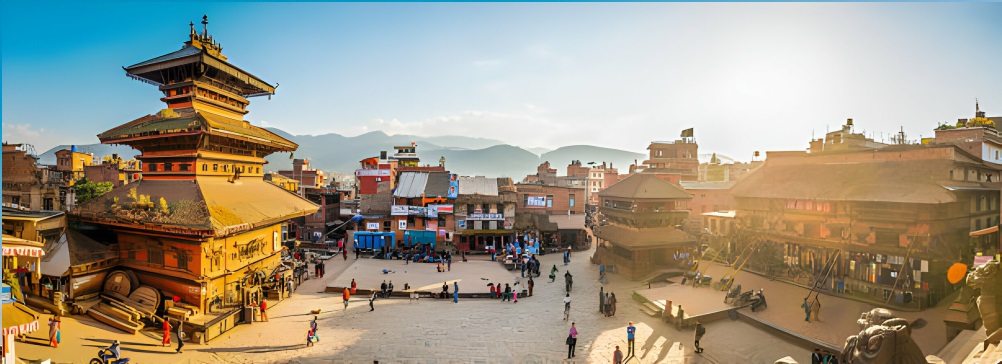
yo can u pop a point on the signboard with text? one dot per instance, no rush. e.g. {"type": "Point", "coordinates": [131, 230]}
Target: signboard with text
{"type": "Point", "coordinates": [535, 201]}
{"type": "Point", "coordinates": [372, 173]}
{"type": "Point", "coordinates": [398, 210]}
{"type": "Point", "coordinates": [481, 217]}
{"type": "Point", "coordinates": [372, 226]}
{"type": "Point", "coordinates": [442, 209]}
{"type": "Point", "coordinates": [431, 225]}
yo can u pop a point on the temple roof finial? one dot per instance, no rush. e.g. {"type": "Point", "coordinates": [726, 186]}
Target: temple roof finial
{"type": "Point", "coordinates": [205, 25]}
{"type": "Point", "coordinates": [192, 26]}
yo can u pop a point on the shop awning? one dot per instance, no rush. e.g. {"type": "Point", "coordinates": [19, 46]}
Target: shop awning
{"type": "Point", "coordinates": [19, 319]}
{"type": "Point", "coordinates": [985, 231]}
{"type": "Point", "coordinates": [17, 247]}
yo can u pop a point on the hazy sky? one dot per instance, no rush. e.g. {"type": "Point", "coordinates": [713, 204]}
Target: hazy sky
{"type": "Point", "coordinates": [747, 76]}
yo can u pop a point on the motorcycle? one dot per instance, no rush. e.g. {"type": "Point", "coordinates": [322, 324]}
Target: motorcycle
{"type": "Point", "coordinates": [105, 352]}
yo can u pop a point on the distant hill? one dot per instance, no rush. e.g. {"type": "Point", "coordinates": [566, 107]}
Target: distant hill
{"type": "Point", "coordinates": [463, 155]}
{"type": "Point", "coordinates": [496, 161]}
{"type": "Point", "coordinates": [539, 151]}
{"type": "Point", "coordinates": [561, 157]}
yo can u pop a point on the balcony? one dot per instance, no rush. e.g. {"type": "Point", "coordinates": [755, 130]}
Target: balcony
{"type": "Point", "coordinates": [645, 219]}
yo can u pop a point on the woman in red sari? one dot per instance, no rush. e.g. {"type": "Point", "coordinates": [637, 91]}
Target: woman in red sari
{"type": "Point", "coordinates": [166, 341]}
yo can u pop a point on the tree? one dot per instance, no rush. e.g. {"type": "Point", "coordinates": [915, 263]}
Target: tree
{"type": "Point", "coordinates": [88, 190]}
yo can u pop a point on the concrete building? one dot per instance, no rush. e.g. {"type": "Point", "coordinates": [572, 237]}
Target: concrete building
{"type": "Point", "coordinates": [28, 187]}
{"type": "Point", "coordinates": [485, 213]}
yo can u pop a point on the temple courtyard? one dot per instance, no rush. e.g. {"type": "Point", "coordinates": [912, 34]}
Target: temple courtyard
{"type": "Point", "coordinates": [435, 330]}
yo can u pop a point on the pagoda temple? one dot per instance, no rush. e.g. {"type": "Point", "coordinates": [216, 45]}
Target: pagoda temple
{"type": "Point", "coordinates": [202, 225]}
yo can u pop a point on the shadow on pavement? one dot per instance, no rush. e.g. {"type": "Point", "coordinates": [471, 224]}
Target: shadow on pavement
{"type": "Point", "coordinates": [254, 349]}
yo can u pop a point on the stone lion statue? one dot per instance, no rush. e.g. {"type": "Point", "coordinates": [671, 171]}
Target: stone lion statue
{"type": "Point", "coordinates": [986, 278]}
{"type": "Point", "coordinates": [889, 342]}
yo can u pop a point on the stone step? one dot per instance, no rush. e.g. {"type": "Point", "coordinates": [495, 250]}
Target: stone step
{"type": "Point", "coordinates": [651, 309]}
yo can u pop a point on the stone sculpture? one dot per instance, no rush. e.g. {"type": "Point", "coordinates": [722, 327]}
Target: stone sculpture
{"type": "Point", "coordinates": [889, 342]}
{"type": "Point", "coordinates": [986, 278]}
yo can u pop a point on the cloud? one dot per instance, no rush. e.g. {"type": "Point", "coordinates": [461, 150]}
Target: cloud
{"type": "Point", "coordinates": [24, 133]}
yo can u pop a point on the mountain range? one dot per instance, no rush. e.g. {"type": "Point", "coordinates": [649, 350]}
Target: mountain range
{"type": "Point", "coordinates": [464, 155]}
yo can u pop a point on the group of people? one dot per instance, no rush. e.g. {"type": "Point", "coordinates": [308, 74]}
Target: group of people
{"type": "Point", "coordinates": [385, 289]}
{"type": "Point", "coordinates": [607, 303]}
{"type": "Point", "coordinates": [508, 293]}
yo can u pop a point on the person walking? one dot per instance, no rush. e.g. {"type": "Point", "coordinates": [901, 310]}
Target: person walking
{"type": "Point", "coordinates": [313, 325]}
{"type": "Point", "coordinates": [354, 286]}
{"type": "Point", "coordinates": [617, 356]}
{"type": "Point", "coordinates": [700, 330]}
{"type": "Point", "coordinates": [54, 328]}
{"type": "Point", "coordinates": [344, 253]}
{"type": "Point", "coordinates": [553, 273]}
{"type": "Point", "coordinates": [450, 262]}
{"type": "Point", "coordinates": [389, 289]}
{"type": "Point", "coordinates": [530, 284]}
{"type": "Point", "coordinates": [631, 332]}
{"type": "Point", "coordinates": [507, 293]}
{"type": "Point", "coordinates": [567, 307]}
{"type": "Point", "coordinates": [167, 327]}
{"type": "Point", "coordinates": [455, 292]}
{"type": "Point", "coordinates": [568, 280]}
{"type": "Point", "coordinates": [607, 304]}
{"type": "Point", "coordinates": [572, 341]}
{"type": "Point", "coordinates": [371, 300]}
{"type": "Point", "coordinates": [346, 296]}
{"type": "Point", "coordinates": [382, 289]}
{"type": "Point", "coordinates": [807, 310]}
{"type": "Point", "coordinates": [180, 336]}
{"type": "Point", "coordinates": [601, 300]}
{"type": "Point", "coordinates": [264, 308]}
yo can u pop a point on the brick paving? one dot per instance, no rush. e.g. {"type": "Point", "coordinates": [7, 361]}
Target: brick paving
{"type": "Point", "coordinates": [436, 331]}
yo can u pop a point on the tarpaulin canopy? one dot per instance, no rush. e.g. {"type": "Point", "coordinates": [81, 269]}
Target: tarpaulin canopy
{"type": "Point", "coordinates": [19, 319]}
{"type": "Point", "coordinates": [985, 231]}
{"type": "Point", "coordinates": [17, 247]}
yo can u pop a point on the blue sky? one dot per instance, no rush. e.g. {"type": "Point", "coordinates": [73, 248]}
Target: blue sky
{"type": "Point", "coordinates": [747, 76]}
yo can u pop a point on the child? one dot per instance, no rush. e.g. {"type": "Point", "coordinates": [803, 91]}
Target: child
{"type": "Point", "coordinates": [311, 337]}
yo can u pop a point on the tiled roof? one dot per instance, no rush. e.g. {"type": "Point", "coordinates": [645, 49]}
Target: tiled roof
{"type": "Point", "coordinates": [210, 204]}
{"type": "Point", "coordinates": [568, 222]}
{"type": "Point", "coordinates": [644, 238]}
{"type": "Point", "coordinates": [707, 185]}
{"type": "Point", "coordinates": [644, 186]}
{"type": "Point", "coordinates": [909, 181]}
{"type": "Point", "coordinates": [185, 51]}
{"type": "Point", "coordinates": [192, 121]}
{"type": "Point", "coordinates": [375, 204]}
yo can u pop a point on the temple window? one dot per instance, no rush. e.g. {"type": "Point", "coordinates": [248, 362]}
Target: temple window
{"type": "Point", "coordinates": [184, 167]}
{"type": "Point", "coordinates": [168, 167]}
{"type": "Point", "coordinates": [215, 168]}
{"type": "Point", "coordinates": [153, 167]}
{"type": "Point", "coordinates": [205, 167]}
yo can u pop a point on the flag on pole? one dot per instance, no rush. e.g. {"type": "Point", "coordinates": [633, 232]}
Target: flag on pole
{"type": "Point", "coordinates": [687, 133]}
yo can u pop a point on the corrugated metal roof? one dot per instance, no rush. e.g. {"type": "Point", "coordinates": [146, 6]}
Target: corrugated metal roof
{"type": "Point", "coordinates": [411, 184]}
{"type": "Point", "coordinates": [438, 185]}
{"type": "Point", "coordinates": [478, 186]}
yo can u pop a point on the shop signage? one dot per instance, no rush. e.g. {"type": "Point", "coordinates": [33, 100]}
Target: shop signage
{"type": "Point", "coordinates": [485, 217]}
{"type": "Point", "coordinates": [372, 173]}
{"type": "Point", "coordinates": [372, 226]}
{"type": "Point", "coordinates": [442, 209]}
